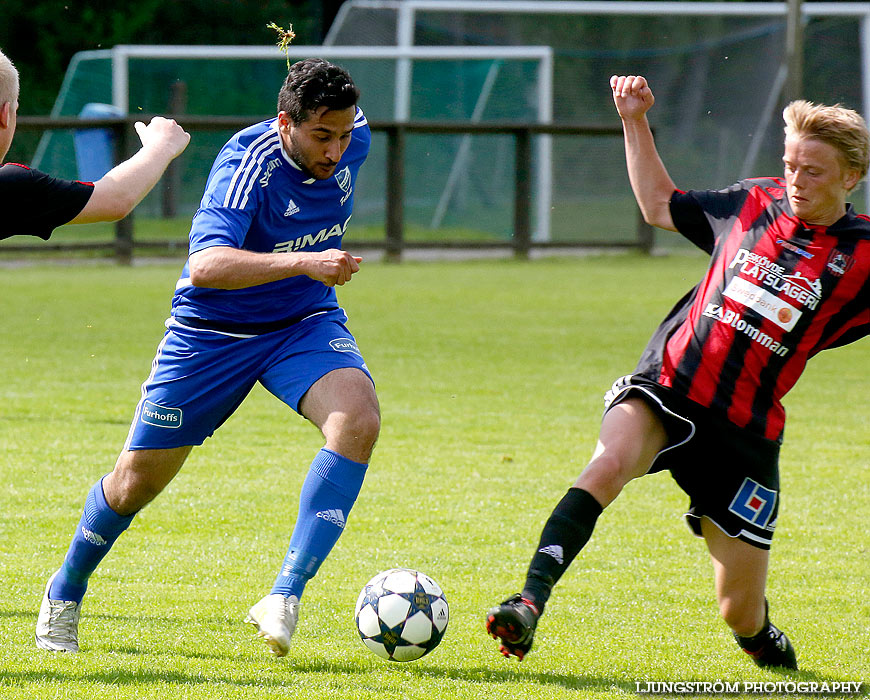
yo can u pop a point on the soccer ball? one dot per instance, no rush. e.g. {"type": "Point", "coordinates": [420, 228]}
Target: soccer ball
{"type": "Point", "coordinates": [401, 614]}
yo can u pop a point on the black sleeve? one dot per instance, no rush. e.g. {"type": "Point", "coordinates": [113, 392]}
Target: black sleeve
{"type": "Point", "coordinates": [34, 204]}
{"type": "Point", "coordinates": [689, 218]}
{"type": "Point", "coordinates": [703, 215]}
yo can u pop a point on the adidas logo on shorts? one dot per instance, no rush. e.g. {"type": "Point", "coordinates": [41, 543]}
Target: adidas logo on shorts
{"type": "Point", "coordinates": [334, 516]}
{"type": "Point", "coordinates": [555, 551]}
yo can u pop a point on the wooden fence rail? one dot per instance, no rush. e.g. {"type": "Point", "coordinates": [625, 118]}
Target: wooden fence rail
{"type": "Point", "coordinates": [396, 132]}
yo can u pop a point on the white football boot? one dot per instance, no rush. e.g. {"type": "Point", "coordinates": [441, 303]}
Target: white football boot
{"type": "Point", "coordinates": [57, 627]}
{"type": "Point", "coordinates": [275, 618]}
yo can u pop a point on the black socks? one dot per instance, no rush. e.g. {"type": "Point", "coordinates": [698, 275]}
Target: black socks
{"type": "Point", "coordinates": [564, 535]}
{"type": "Point", "coordinates": [770, 647]}
{"type": "Point", "coordinates": [754, 644]}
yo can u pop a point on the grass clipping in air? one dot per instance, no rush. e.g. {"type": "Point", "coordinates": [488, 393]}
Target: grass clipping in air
{"type": "Point", "coordinates": [285, 37]}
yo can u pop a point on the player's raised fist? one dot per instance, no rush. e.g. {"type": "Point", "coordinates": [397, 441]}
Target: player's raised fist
{"type": "Point", "coordinates": [631, 95]}
{"type": "Point", "coordinates": [163, 133]}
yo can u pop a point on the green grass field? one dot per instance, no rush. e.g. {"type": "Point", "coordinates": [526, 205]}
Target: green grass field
{"type": "Point", "coordinates": [490, 376]}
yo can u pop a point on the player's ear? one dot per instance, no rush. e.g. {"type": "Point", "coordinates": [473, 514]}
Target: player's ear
{"type": "Point", "coordinates": [4, 114]}
{"type": "Point", "coordinates": [284, 121]}
{"type": "Point", "coordinates": [851, 179]}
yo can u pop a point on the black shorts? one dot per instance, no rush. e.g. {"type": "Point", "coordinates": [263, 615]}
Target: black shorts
{"type": "Point", "coordinates": [730, 474]}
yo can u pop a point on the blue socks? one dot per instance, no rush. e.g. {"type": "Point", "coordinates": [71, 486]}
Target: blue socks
{"type": "Point", "coordinates": [97, 531]}
{"type": "Point", "coordinates": [329, 492]}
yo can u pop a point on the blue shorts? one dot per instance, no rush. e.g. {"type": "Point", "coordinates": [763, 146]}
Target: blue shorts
{"type": "Point", "coordinates": [200, 377]}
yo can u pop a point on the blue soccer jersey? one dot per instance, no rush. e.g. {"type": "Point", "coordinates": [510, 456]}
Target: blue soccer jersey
{"type": "Point", "coordinates": [258, 199]}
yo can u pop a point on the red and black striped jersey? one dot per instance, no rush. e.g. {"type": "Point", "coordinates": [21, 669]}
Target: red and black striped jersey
{"type": "Point", "coordinates": [34, 204]}
{"type": "Point", "coordinates": [777, 292]}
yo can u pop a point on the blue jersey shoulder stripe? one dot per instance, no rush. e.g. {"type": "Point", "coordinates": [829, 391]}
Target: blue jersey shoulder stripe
{"type": "Point", "coordinates": [254, 171]}
{"type": "Point", "coordinates": [238, 178]}
{"type": "Point", "coordinates": [244, 162]}
{"type": "Point", "coordinates": [249, 168]}
{"type": "Point", "coordinates": [359, 119]}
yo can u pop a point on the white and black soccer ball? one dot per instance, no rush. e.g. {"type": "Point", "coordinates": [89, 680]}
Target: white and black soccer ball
{"type": "Point", "coordinates": [401, 614]}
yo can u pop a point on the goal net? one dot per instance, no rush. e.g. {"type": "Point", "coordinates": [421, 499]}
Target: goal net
{"type": "Point", "coordinates": [716, 69]}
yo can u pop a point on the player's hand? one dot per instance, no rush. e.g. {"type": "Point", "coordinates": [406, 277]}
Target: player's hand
{"type": "Point", "coordinates": [632, 96]}
{"type": "Point", "coordinates": [164, 134]}
{"type": "Point", "coordinates": [333, 267]}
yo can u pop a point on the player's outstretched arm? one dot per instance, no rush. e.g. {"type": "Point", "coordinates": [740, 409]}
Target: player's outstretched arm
{"type": "Point", "coordinates": [124, 186]}
{"type": "Point", "coordinates": [223, 267]}
{"type": "Point", "coordinates": [650, 182]}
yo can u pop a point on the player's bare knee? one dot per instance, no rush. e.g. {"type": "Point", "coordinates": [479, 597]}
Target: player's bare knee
{"type": "Point", "coordinates": [354, 433]}
{"type": "Point", "coordinates": [604, 478]}
{"type": "Point", "coordinates": [364, 428]}
{"type": "Point", "coordinates": [372, 426]}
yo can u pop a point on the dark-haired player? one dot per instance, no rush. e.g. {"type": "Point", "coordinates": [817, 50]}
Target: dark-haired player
{"type": "Point", "coordinates": [789, 276]}
{"type": "Point", "coordinates": [34, 203]}
{"type": "Point", "coordinates": [255, 303]}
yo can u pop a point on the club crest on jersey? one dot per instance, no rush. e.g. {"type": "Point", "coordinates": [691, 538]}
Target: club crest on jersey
{"type": "Point", "coordinates": [754, 503]}
{"type": "Point", "coordinates": [161, 416]}
{"type": "Point", "coordinates": [344, 183]}
{"type": "Point", "coordinates": [839, 263]}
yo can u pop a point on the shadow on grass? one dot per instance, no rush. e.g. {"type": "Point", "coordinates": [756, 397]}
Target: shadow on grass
{"type": "Point", "coordinates": [283, 671]}
{"type": "Point", "coordinates": [599, 683]}
{"type": "Point", "coordinates": [580, 681]}
{"type": "Point", "coordinates": [146, 677]}
{"type": "Point", "coordinates": [365, 673]}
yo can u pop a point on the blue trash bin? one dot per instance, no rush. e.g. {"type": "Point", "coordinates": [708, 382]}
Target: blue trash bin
{"type": "Point", "coordinates": [95, 148]}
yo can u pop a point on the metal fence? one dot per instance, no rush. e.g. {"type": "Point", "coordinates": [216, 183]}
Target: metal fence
{"type": "Point", "coordinates": [394, 244]}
